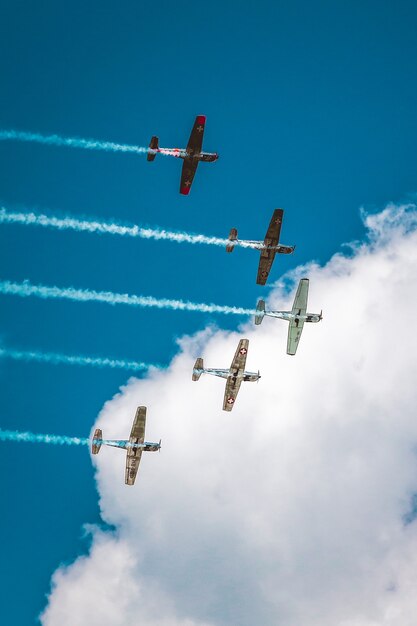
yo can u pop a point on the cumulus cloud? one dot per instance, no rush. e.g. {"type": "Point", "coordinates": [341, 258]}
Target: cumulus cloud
{"type": "Point", "coordinates": [296, 508]}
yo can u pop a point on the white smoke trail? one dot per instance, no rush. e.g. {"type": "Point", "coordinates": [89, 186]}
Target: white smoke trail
{"type": "Point", "coordinates": [70, 223]}
{"type": "Point", "coordinates": [25, 289]}
{"type": "Point", "coordinates": [71, 142]}
{"type": "Point", "coordinates": [59, 440]}
{"type": "Point", "coordinates": [57, 359]}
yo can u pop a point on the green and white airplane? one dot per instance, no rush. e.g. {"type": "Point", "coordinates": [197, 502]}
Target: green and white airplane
{"type": "Point", "coordinates": [296, 317]}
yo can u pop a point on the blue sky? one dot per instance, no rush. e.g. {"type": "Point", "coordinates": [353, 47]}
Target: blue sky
{"type": "Point", "coordinates": [311, 107]}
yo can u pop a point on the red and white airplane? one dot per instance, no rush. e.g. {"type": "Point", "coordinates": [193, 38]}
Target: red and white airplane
{"type": "Point", "coordinates": [191, 155]}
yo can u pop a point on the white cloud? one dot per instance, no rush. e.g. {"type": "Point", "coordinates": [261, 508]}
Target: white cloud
{"type": "Point", "coordinates": [290, 510]}
{"type": "Point", "coordinates": [99, 589]}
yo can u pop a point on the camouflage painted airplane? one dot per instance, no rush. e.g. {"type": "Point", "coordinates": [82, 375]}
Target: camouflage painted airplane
{"type": "Point", "coordinates": [134, 446]}
{"type": "Point", "coordinates": [296, 317]}
{"type": "Point", "coordinates": [234, 375]}
{"type": "Point", "coordinates": [192, 154]}
{"type": "Point", "coordinates": [269, 247]}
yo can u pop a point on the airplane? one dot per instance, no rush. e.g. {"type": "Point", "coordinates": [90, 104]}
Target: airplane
{"type": "Point", "coordinates": [296, 317]}
{"type": "Point", "coordinates": [269, 247]}
{"type": "Point", "coordinates": [191, 155]}
{"type": "Point", "coordinates": [234, 375]}
{"type": "Point", "coordinates": [134, 446]}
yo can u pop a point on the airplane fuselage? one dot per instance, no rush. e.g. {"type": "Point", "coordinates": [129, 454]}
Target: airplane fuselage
{"type": "Point", "coordinates": [233, 373]}
{"type": "Point", "coordinates": [181, 153]}
{"type": "Point", "coordinates": [125, 444]}
{"type": "Point", "coordinates": [261, 245]}
{"type": "Point", "coordinates": [289, 316]}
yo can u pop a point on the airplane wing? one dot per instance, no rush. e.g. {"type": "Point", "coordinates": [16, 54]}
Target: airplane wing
{"type": "Point", "coordinates": [300, 301]}
{"type": "Point", "coordinates": [239, 360]}
{"type": "Point", "coordinates": [133, 455]}
{"type": "Point", "coordinates": [294, 333]}
{"type": "Point", "coordinates": [233, 383]}
{"type": "Point", "coordinates": [231, 391]}
{"type": "Point", "coordinates": [187, 175]}
{"type": "Point", "coordinates": [264, 267]}
{"type": "Point", "coordinates": [138, 427]}
{"type": "Point", "coordinates": [271, 240]}
{"type": "Point", "coordinates": [298, 308]}
{"type": "Point", "coordinates": [274, 228]}
{"type": "Point", "coordinates": [195, 142]}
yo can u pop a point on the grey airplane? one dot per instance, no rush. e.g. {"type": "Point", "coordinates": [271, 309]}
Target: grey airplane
{"type": "Point", "coordinates": [268, 248]}
{"type": "Point", "coordinates": [191, 155]}
{"type": "Point", "coordinates": [296, 317]}
{"type": "Point", "coordinates": [234, 376]}
{"type": "Point", "coordinates": [134, 446]}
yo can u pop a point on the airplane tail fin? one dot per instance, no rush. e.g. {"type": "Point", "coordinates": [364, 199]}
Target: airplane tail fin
{"type": "Point", "coordinates": [97, 441]}
{"type": "Point", "coordinates": [198, 369]}
{"type": "Point", "coordinates": [321, 315]}
{"type": "Point", "coordinates": [232, 239]}
{"type": "Point", "coordinates": [260, 312]}
{"type": "Point", "coordinates": [154, 145]}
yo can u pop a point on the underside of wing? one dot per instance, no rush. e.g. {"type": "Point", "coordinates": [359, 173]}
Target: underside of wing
{"type": "Point", "coordinates": [195, 142]}
{"type": "Point", "coordinates": [270, 242]}
{"type": "Point", "coordinates": [301, 297]}
{"type": "Point", "coordinates": [187, 175]}
{"type": "Point", "coordinates": [274, 228]}
{"type": "Point", "coordinates": [231, 391]}
{"type": "Point", "coordinates": [239, 360]}
{"type": "Point", "coordinates": [264, 267]}
{"type": "Point", "coordinates": [138, 427]}
{"type": "Point", "coordinates": [133, 456]}
{"type": "Point", "coordinates": [294, 333]}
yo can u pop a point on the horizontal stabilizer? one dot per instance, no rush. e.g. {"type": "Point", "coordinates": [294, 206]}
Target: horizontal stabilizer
{"type": "Point", "coordinates": [198, 369]}
{"type": "Point", "coordinates": [232, 239]}
{"type": "Point", "coordinates": [154, 145]}
{"type": "Point", "coordinates": [260, 312]}
{"type": "Point", "coordinates": [97, 441]}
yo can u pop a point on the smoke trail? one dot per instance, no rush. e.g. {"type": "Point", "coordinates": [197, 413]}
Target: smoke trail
{"type": "Point", "coordinates": [57, 440]}
{"type": "Point", "coordinates": [70, 223]}
{"type": "Point", "coordinates": [57, 359]}
{"type": "Point", "coordinates": [25, 289]}
{"type": "Point", "coordinates": [71, 142]}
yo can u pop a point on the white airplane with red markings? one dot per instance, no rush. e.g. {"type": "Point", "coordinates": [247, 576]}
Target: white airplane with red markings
{"type": "Point", "coordinates": [192, 154]}
{"type": "Point", "coordinates": [234, 376]}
